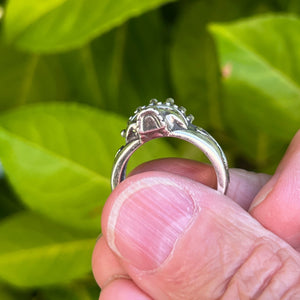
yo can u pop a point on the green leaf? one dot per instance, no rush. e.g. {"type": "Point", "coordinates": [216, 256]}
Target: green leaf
{"type": "Point", "coordinates": [9, 293]}
{"type": "Point", "coordinates": [260, 61]}
{"type": "Point", "coordinates": [58, 157]}
{"type": "Point", "coordinates": [29, 78]}
{"type": "Point", "coordinates": [15, 76]}
{"type": "Point", "coordinates": [101, 73]}
{"type": "Point", "coordinates": [120, 70]}
{"type": "Point", "coordinates": [6, 294]}
{"type": "Point", "coordinates": [129, 64]}
{"type": "Point", "coordinates": [294, 6]}
{"type": "Point", "coordinates": [36, 252]}
{"type": "Point", "coordinates": [194, 63]}
{"type": "Point", "coordinates": [58, 25]}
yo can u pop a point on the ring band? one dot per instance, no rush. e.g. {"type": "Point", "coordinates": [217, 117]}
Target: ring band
{"type": "Point", "coordinates": [167, 120]}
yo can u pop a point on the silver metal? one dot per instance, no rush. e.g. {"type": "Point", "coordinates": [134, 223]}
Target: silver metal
{"type": "Point", "coordinates": [158, 120]}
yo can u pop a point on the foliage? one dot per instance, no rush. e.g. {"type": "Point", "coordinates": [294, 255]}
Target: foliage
{"type": "Point", "coordinates": [71, 72]}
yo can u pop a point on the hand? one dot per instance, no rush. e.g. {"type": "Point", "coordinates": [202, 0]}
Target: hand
{"type": "Point", "coordinates": [168, 236]}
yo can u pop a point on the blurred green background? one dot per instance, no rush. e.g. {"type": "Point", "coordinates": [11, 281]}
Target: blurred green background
{"type": "Point", "coordinates": [73, 71]}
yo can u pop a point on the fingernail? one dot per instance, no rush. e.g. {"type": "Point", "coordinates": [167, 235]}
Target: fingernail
{"type": "Point", "coordinates": [265, 191]}
{"type": "Point", "coordinates": [262, 195]}
{"type": "Point", "coordinates": [288, 162]}
{"type": "Point", "coordinates": [146, 221]}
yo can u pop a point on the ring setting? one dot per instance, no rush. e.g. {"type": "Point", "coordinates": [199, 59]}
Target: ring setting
{"type": "Point", "coordinates": [166, 119]}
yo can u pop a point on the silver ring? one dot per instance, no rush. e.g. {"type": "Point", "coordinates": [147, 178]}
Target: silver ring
{"type": "Point", "coordinates": [158, 120]}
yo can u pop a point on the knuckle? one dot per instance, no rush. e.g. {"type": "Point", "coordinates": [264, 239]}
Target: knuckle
{"type": "Point", "coordinates": [267, 273]}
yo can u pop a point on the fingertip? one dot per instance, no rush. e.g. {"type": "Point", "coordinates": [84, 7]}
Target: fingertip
{"type": "Point", "coordinates": [277, 205]}
{"type": "Point", "coordinates": [122, 289]}
{"type": "Point", "coordinates": [105, 265]}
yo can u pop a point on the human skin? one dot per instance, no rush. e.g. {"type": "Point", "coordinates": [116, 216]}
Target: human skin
{"type": "Point", "coordinates": [167, 234]}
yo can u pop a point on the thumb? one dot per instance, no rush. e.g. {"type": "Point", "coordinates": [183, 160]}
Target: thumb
{"type": "Point", "coordinates": [178, 239]}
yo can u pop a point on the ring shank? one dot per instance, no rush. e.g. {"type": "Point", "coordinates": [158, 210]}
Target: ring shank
{"type": "Point", "coordinates": [198, 137]}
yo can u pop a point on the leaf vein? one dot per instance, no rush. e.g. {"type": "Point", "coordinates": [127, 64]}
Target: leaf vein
{"type": "Point", "coordinates": [75, 164]}
{"type": "Point", "coordinates": [66, 247]}
{"type": "Point", "coordinates": [260, 58]}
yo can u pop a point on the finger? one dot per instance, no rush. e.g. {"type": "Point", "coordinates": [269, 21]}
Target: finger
{"type": "Point", "coordinates": [123, 289]}
{"type": "Point", "coordinates": [179, 239]}
{"type": "Point", "coordinates": [197, 171]}
{"type": "Point", "coordinates": [277, 206]}
{"type": "Point", "coordinates": [242, 188]}
{"type": "Point", "coordinates": [245, 185]}
{"type": "Point", "coordinates": [106, 266]}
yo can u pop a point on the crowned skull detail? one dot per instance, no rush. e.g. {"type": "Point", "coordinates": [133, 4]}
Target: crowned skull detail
{"type": "Point", "coordinates": [156, 120]}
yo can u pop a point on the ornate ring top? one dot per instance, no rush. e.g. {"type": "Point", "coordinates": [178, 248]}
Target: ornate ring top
{"type": "Point", "coordinates": [155, 120]}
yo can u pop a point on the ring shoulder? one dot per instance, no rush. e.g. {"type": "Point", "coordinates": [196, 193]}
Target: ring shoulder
{"type": "Point", "coordinates": [202, 133]}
